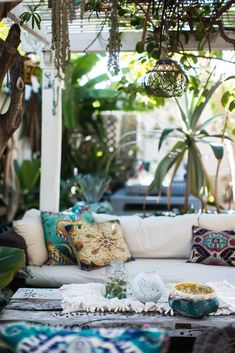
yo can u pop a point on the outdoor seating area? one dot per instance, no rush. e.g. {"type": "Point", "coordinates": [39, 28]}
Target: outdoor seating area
{"type": "Point", "coordinates": [117, 176]}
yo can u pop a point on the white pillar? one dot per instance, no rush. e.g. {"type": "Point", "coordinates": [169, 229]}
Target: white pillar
{"type": "Point", "coordinates": [51, 141]}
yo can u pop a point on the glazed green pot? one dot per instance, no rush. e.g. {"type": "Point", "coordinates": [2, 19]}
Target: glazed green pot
{"type": "Point", "coordinates": [193, 299]}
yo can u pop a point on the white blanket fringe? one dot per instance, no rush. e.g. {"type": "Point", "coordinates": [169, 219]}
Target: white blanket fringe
{"type": "Point", "coordinates": [90, 297]}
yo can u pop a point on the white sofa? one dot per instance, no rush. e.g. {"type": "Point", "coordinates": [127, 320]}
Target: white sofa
{"type": "Point", "coordinates": [160, 243]}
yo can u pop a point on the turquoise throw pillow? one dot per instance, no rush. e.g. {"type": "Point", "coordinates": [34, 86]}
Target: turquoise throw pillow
{"type": "Point", "coordinates": [28, 338]}
{"type": "Point", "coordinates": [58, 246]}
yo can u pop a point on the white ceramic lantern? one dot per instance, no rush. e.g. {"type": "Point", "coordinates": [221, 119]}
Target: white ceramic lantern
{"type": "Point", "coordinates": [147, 286]}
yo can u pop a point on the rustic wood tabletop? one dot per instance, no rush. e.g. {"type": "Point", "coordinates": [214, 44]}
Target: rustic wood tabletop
{"type": "Point", "coordinates": [40, 305]}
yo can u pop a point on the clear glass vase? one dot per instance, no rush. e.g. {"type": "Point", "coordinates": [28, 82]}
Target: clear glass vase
{"type": "Point", "coordinates": [92, 186]}
{"type": "Point", "coordinates": [116, 280]}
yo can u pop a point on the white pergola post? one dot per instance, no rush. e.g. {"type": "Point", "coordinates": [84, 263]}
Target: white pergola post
{"type": "Point", "coordinates": [51, 141]}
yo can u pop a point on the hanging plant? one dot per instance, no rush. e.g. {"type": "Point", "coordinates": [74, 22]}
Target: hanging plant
{"type": "Point", "coordinates": [114, 42]}
{"type": "Point", "coordinates": [201, 19]}
{"type": "Point", "coordinates": [60, 34]}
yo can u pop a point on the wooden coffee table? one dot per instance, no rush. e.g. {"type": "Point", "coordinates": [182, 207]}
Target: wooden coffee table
{"type": "Point", "coordinates": [39, 305]}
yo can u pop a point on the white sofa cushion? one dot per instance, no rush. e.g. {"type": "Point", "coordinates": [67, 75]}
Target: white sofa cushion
{"type": "Point", "coordinates": [217, 222]}
{"type": "Point", "coordinates": [156, 237]}
{"type": "Point", "coordinates": [170, 270]}
{"type": "Point", "coordinates": [30, 228]}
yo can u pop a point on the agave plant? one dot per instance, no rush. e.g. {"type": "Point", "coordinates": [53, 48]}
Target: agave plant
{"type": "Point", "coordinates": [11, 260]}
{"type": "Point", "coordinates": [190, 134]}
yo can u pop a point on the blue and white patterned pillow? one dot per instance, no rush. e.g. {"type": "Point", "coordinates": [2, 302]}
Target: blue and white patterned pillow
{"type": "Point", "coordinates": [27, 338]}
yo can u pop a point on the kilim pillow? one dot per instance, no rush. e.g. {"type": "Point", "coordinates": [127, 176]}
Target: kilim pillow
{"type": "Point", "coordinates": [96, 245]}
{"type": "Point", "coordinates": [213, 248]}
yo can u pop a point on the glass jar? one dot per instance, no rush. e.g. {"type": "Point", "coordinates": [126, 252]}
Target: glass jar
{"type": "Point", "coordinates": [116, 280]}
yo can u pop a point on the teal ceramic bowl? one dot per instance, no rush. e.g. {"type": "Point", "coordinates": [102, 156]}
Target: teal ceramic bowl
{"type": "Point", "coordinates": [193, 299]}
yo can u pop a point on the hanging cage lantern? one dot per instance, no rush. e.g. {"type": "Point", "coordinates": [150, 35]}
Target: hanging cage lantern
{"type": "Point", "coordinates": [167, 79]}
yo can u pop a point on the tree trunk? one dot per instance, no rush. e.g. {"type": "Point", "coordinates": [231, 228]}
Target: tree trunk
{"type": "Point", "coordinates": [10, 59]}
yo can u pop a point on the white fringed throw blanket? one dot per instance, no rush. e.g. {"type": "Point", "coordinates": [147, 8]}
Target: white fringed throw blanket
{"type": "Point", "coordinates": [90, 297]}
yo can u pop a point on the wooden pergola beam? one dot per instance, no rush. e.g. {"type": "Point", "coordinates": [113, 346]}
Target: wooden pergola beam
{"type": "Point", "coordinates": [7, 6]}
{"type": "Point", "coordinates": [81, 41]}
{"type": "Point", "coordinates": [41, 35]}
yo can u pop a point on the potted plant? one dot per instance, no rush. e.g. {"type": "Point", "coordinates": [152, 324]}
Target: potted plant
{"type": "Point", "coordinates": [189, 135]}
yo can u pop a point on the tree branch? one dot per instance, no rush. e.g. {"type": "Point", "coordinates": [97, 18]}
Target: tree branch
{"type": "Point", "coordinates": [10, 59]}
{"type": "Point", "coordinates": [9, 55]}
{"type": "Point", "coordinates": [206, 57]}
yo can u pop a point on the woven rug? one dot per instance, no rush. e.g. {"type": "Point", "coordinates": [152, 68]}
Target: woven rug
{"type": "Point", "coordinates": [90, 298]}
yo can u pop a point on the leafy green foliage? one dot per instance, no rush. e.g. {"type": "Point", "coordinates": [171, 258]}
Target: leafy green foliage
{"type": "Point", "coordinates": [228, 100]}
{"type": "Point", "coordinates": [116, 289]}
{"type": "Point", "coordinates": [176, 154]}
{"type": "Point", "coordinates": [85, 97]}
{"type": "Point", "coordinates": [28, 174]}
{"type": "Point", "coordinates": [31, 15]}
{"type": "Point", "coordinates": [11, 260]}
{"type": "Point", "coordinates": [191, 134]}
{"type": "Point", "coordinates": [80, 102]}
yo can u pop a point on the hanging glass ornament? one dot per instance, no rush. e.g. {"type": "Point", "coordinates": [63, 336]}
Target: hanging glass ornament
{"type": "Point", "coordinates": [166, 79]}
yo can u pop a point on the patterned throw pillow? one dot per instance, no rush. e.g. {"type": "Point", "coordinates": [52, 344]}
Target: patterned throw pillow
{"type": "Point", "coordinates": [59, 249]}
{"type": "Point", "coordinates": [96, 245]}
{"type": "Point", "coordinates": [213, 248]}
{"type": "Point", "coordinates": [28, 338]}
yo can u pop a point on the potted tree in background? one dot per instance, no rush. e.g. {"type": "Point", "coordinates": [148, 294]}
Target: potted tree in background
{"type": "Point", "coordinates": [189, 136]}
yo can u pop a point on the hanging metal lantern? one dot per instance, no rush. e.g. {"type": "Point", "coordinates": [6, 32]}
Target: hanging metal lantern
{"type": "Point", "coordinates": [167, 79]}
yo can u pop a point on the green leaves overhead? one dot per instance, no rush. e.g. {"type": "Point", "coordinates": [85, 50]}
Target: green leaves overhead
{"type": "Point", "coordinates": [228, 100]}
{"type": "Point", "coordinates": [81, 66]}
{"type": "Point", "coordinates": [11, 260]}
{"type": "Point", "coordinates": [31, 15]}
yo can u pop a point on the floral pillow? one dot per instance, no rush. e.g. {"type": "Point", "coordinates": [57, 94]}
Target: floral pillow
{"type": "Point", "coordinates": [213, 248]}
{"type": "Point", "coordinates": [28, 338]}
{"type": "Point", "coordinates": [96, 245]}
{"type": "Point", "coordinates": [58, 245]}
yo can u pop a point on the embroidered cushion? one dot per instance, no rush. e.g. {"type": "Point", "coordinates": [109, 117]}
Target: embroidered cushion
{"type": "Point", "coordinates": [43, 339]}
{"type": "Point", "coordinates": [213, 248]}
{"type": "Point", "coordinates": [58, 245]}
{"type": "Point", "coordinates": [98, 244]}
